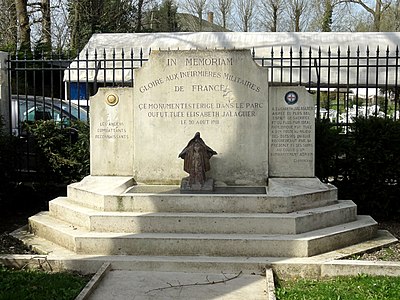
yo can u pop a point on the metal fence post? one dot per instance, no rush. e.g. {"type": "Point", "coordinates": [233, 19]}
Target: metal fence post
{"type": "Point", "coordinates": [5, 106]}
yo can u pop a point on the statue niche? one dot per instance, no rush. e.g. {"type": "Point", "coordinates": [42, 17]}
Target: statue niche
{"type": "Point", "coordinates": [196, 156]}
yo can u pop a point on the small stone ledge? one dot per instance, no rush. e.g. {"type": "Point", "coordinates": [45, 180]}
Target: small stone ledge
{"type": "Point", "coordinates": [270, 285]}
{"type": "Point", "coordinates": [94, 282]}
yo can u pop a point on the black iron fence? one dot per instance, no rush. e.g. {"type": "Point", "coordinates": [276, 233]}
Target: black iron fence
{"type": "Point", "coordinates": [345, 83]}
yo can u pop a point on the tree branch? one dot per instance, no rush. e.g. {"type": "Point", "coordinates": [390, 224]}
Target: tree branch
{"type": "Point", "coordinates": [208, 282]}
{"type": "Point", "coordinates": [359, 2]}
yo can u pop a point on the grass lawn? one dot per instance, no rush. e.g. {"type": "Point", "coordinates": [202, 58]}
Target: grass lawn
{"type": "Point", "coordinates": [25, 284]}
{"type": "Point", "coordinates": [362, 287]}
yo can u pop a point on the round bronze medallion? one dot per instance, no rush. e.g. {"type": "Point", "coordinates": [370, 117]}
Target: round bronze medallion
{"type": "Point", "coordinates": [112, 100]}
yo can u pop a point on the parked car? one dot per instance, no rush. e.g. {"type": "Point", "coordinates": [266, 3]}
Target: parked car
{"type": "Point", "coordinates": [32, 108]}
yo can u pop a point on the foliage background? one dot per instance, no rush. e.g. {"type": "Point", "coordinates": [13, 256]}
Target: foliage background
{"type": "Point", "coordinates": [364, 164]}
{"type": "Point", "coordinates": [62, 152]}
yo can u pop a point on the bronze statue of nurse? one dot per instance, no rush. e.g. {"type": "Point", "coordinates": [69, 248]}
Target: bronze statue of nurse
{"type": "Point", "coordinates": [196, 156]}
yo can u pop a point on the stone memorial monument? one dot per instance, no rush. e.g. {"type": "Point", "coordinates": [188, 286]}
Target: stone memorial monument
{"type": "Point", "coordinates": [264, 200]}
{"type": "Point", "coordinates": [222, 94]}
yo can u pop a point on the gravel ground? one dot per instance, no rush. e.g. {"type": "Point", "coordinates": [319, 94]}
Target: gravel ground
{"type": "Point", "coordinates": [17, 203]}
{"type": "Point", "coordinates": [11, 221]}
{"type": "Point", "coordinates": [391, 253]}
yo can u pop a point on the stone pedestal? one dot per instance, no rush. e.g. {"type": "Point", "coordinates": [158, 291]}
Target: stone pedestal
{"type": "Point", "coordinates": [266, 201]}
{"type": "Point", "coordinates": [109, 216]}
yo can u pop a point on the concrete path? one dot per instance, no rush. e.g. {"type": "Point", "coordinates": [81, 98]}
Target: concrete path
{"type": "Point", "coordinates": [141, 268]}
{"type": "Point", "coordinates": [140, 285]}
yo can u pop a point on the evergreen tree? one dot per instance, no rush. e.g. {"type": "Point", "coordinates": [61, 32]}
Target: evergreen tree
{"type": "Point", "coordinates": [99, 16]}
{"type": "Point", "coordinates": [164, 18]}
{"type": "Point", "coordinates": [327, 16]}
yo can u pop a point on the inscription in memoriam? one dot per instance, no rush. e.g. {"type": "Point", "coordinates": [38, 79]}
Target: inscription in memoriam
{"type": "Point", "coordinates": [180, 83]}
{"type": "Point", "coordinates": [220, 93]}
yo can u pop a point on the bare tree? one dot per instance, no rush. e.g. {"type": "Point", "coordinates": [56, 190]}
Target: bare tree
{"type": "Point", "coordinates": [39, 14]}
{"type": "Point", "coordinates": [196, 7]}
{"type": "Point", "coordinates": [296, 11]}
{"type": "Point", "coordinates": [224, 7]}
{"type": "Point", "coordinates": [389, 18]}
{"type": "Point", "coordinates": [245, 9]}
{"type": "Point", "coordinates": [272, 10]}
{"type": "Point", "coordinates": [59, 25]}
{"type": "Point", "coordinates": [396, 15]}
{"type": "Point", "coordinates": [377, 12]}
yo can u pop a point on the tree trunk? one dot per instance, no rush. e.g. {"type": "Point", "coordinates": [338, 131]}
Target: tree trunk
{"type": "Point", "coordinates": [24, 30]}
{"type": "Point", "coordinates": [46, 24]}
{"type": "Point", "coordinates": [200, 18]}
{"type": "Point", "coordinates": [327, 17]}
{"type": "Point", "coordinates": [139, 16]}
{"type": "Point", "coordinates": [274, 27]}
{"type": "Point", "coordinates": [297, 17]}
{"type": "Point", "coordinates": [377, 15]}
{"type": "Point", "coordinates": [74, 17]}
{"type": "Point", "coordinates": [224, 7]}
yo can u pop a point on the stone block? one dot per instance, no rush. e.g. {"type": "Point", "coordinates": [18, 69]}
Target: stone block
{"type": "Point", "coordinates": [291, 132]}
{"type": "Point", "coordinates": [111, 132]}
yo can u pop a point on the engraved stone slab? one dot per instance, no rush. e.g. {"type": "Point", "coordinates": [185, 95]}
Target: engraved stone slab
{"type": "Point", "coordinates": [111, 132]}
{"type": "Point", "coordinates": [292, 133]}
{"type": "Point", "coordinates": [221, 93]}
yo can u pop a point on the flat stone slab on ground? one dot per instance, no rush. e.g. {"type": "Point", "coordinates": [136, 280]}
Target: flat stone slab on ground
{"type": "Point", "coordinates": [121, 284]}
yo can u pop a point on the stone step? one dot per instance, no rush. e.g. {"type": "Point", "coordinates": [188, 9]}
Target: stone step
{"type": "Point", "coordinates": [168, 198]}
{"type": "Point", "coordinates": [58, 259]}
{"type": "Point", "coordinates": [246, 203]}
{"type": "Point", "coordinates": [225, 223]}
{"type": "Point", "coordinates": [311, 243]}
